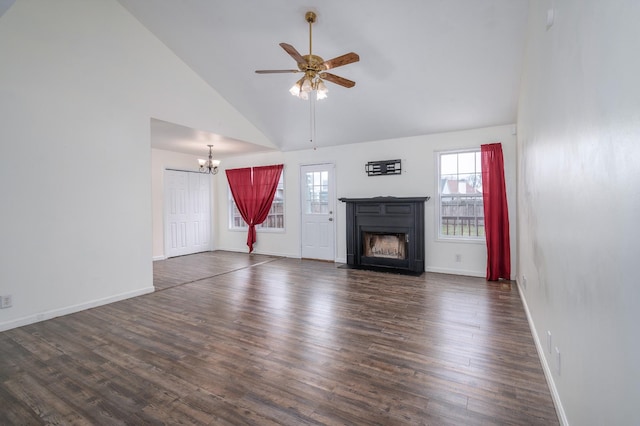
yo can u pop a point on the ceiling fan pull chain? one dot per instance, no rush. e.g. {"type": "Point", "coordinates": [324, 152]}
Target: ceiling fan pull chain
{"type": "Point", "coordinates": [312, 121]}
{"type": "Point", "coordinates": [314, 124]}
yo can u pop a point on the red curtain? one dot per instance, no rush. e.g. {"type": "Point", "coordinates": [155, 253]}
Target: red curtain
{"type": "Point", "coordinates": [265, 183]}
{"type": "Point", "coordinates": [496, 215]}
{"type": "Point", "coordinates": [253, 191]}
{"type": "Point", "coordinates": [242, 191]}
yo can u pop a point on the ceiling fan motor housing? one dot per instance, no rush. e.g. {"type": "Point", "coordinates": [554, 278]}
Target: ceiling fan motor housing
{"type": "Point", "coordinates": [313, 63]}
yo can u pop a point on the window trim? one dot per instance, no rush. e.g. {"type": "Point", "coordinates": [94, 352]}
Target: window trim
{"type": "Point", "coordinates": [438, 216]}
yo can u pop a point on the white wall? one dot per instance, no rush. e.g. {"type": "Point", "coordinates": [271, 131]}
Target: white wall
{"type": "Point", "coordinates": [418, 178]}
{"type": "Point", "coordinates": [79, 82]}
{"type": "Point", "coordinates": [578, 203]}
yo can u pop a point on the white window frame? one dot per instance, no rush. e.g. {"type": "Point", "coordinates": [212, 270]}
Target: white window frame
{"type": "Point", "coordinates": [263, 227]}
{"type": "Point", "coordinates": [440, 186]}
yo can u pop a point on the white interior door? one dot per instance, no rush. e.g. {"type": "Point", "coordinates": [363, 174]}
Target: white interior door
{"type": "Point", "coordinates": [187, 213]}
{"type": "Point", "coordinates": [200, 221]}
{"type": "Point", "coordinates": [317, 189]}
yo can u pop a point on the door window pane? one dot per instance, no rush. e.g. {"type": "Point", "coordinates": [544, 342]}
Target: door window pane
{"type": "Point", "coordinates": [316, 194]}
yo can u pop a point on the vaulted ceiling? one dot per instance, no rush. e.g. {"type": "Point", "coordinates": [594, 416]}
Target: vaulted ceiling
{"type": "Point", "coordinates": [426, 66]}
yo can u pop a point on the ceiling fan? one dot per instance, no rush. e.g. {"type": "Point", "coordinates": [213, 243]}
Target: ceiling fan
{"type": "Point", "coordinates": [314, 68]}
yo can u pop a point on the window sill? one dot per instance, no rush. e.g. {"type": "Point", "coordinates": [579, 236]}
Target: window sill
{"type": "Point", "coordinates": [461, 240]}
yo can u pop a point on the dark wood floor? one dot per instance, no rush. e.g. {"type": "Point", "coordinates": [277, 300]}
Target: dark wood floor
{"type": "Point", "coordinates": [231, 338]}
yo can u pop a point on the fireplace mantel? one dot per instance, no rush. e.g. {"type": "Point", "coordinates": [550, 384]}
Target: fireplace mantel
{"type": "Point", "coordinates": [385, 199]}
{"type": "Point", "coordinates": [386, 215]}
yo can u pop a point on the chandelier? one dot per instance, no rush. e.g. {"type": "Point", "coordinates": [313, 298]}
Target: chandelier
{"type": "Point", "coordinates": [209, 166]}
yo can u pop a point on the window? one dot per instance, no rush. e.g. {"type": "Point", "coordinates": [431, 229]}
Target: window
{"type": "Point", "coordinates": [461, 211]}
{"type": "Point", "coordinates": [275, 219]}
{"type": "Point", "coordinates": [316, 200]}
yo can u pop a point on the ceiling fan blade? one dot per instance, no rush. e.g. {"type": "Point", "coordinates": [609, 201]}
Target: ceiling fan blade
{"type": "Point", "coordinates": [294, 53]}
{"type": "Point", "coordinates": [275, 71]}
{"type": "Point", "coordinates": [337, 79]}
{"type": "Point", "coordinates": [347, 58]}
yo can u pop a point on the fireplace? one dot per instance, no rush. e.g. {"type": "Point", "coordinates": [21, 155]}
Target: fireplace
{"type": "Point", "coordinates": [386, 233]}
{"type": "Point", "coordinates": [384, 244]}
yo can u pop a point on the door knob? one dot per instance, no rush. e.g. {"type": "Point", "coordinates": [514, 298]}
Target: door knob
{"type": "Point", "coordinates": [330, 219]}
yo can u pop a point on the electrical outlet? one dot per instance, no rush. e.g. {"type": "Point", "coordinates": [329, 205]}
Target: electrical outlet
{"type": "Point", "coordinates": [549, 341]}
{"type": "Point", "coordinates": [557, 361]}
{"type": "Point", "coordinates": [458, 257]}
{"type": "Point", "coordinates": [6, 301]}
{"type": "Point", "coordinates": [524, 281]}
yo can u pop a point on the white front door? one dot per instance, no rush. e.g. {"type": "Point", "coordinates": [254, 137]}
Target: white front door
{"type": "Point", "coordinates": [187, 213]}
{"type": "Point", "coordinates": [318, 211]}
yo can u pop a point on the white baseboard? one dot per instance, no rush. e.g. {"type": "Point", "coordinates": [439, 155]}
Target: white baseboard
{"type": "Point", "coordinates": [468, 273]}
{"type": "Point", "coordinates": [562, 416]}
{"type": "Point", "coordinates": [258, 251]}
{"type": "Point", "coordinates": [42, 316]}
{"type": "Point", "coordinates": [265, 253]}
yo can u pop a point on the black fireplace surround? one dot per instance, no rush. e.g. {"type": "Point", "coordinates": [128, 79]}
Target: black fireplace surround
{"type": "Point", "coordinates": [402, 218]}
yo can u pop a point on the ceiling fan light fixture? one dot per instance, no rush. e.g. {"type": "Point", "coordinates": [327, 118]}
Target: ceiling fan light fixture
{"type": "Point", "coordinates": [295, 89]}
{"type": "Point", "coordinates": [321, 90]}
{"type": "Point", "coordinates": [307, 85]}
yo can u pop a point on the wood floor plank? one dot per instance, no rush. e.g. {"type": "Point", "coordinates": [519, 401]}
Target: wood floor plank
{"type": "Point", "coordinates": [231, 338]}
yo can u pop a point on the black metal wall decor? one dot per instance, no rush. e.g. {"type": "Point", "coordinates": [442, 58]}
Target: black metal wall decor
{"type": "Point", "coordinates": [385, 167]}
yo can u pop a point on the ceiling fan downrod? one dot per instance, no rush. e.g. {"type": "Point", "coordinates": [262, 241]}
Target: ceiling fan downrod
{"type": "Point", "coordinates": [311, 18]}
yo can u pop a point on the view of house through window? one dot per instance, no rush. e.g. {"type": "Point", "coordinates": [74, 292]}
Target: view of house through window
{"type": "Point", "coordinates": [461, 213]}
{"type": "Point", "coordinates": [275, 219]}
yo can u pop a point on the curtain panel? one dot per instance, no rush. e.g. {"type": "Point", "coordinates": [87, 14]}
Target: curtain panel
{"type": "Point", "coordinates": [253, 190]}
{"type": "Point", "coordinates": [496, 214]}
{"type": "Point", "coordinates": [242, 191]}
